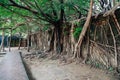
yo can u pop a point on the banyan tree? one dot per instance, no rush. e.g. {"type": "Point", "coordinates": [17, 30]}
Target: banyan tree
{"type": "Point", "coordinates": [92, 36]}
{"type": "Point", "coordinates": [99, 43]}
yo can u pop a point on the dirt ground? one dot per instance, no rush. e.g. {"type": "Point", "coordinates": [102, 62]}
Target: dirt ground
{"type": "Point", "coordinates": [47, 69]}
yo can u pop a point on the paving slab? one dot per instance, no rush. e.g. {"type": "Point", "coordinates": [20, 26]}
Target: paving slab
{"type": "Point", "coordinates": [12, 68]}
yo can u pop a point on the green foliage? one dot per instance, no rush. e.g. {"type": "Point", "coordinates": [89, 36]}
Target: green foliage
{"type": "Point", "coordinates": [110, 68]}
{"type": "Point", "coordinates": [75, 7]}
{"type": "Point", "coordinates": [47, 10]}
{"type": "Point", "coordinates": [77, 32]}
{"type": "Point", "coordinates": [45, 28]}
{"type": "Point", "coordinates": [4, 13]}
{"type": "Point", "coordinates": [49, 7]}
{"type": "Point", "coordinates": [78, 29]}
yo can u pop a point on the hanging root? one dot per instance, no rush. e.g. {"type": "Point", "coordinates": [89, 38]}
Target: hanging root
{"type": "Point", "coordinates": [115, 46]}
{"type": "Point", "coordinates": [84, 30]}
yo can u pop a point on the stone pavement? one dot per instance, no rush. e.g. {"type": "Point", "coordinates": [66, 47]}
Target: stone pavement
{"type": "Point", "coordinates": [12, 68]}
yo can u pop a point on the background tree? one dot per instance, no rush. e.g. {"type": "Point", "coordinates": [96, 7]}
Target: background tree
{"type": "Point", "coordinates": [55, 12]}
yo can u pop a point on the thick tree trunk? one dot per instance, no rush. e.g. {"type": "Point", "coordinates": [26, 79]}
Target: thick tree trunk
{"type": "Point", "coordinates": [57, 40]}
{"type": "Point", "coordinates": [72, 38]}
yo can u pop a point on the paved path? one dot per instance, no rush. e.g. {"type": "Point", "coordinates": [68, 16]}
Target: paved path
{"type": "Point", "coordinates": [12, 68]}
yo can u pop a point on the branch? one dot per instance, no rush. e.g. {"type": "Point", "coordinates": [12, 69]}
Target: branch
{"type": "Point", "coordinates": [21, 14]}
{"type": "Point", "coordinates": [78, 20]}
{"type": "Point", "coordinates": [86, 25]}
{"type": "Point", "coordinates": [77, 9]}
{"type": "Point", "coordinates": [16, 12]}
{"type": "Point", "coordinates": [112, 10]}
{"type": "Point", "coordinates": [22, 7]}
{"type": "Point", "coordinates": [47, 17]}
{"type": "Point", "coordinates": [4, 28]}
{"type": "Point", "coordinates": [20, 24]}
{"type": "Point", "coordinates": [104, 45]}
{"type": "Point", "coordinates": [24, 1]}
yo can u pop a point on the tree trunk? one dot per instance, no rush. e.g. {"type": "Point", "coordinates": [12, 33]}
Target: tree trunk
{"type": "Point", "coordinates": [19, 43]}
{"type": "Point", "coordinates": [25, 43]}
{"type": "Point", "coordinates": [51, 46]}
{"type": "Point", "coordinates": [28, 40]}
{"type": "Point", "coordinates": [57, 39]}
{"type": "Point", "coordinates": [7, 42]}
{"type": "Point", "coordinates": [9, 45]}
{"type": "Point", "coordinates": [20, 39]}
{"type": "Point", "coordinates": [2, 43]}
{"type": "Point", "coordinates": [72, 38]}
{"type": "Point", "coordinates": [28, 46]}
